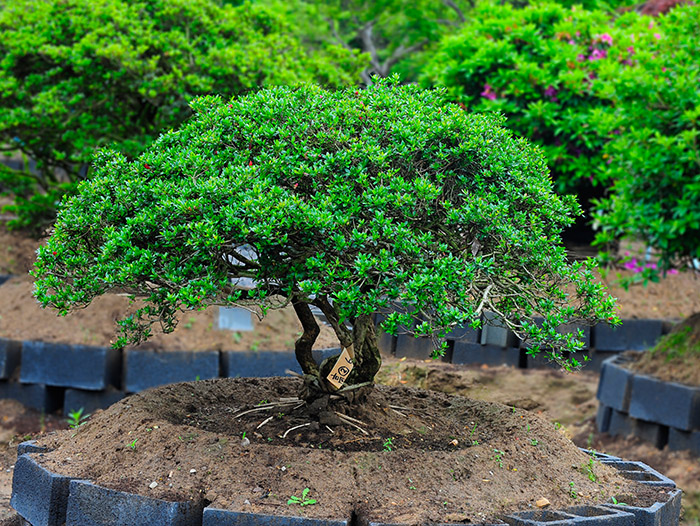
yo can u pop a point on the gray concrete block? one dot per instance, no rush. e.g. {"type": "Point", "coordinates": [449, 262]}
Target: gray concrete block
{"type": "Point", "coordinates": [218, 517]}
{"type": "Point", "coordinates": [10, 352]}
{"type": "Point", "coordinates": [684, 440]}
{"type": "Point", "coordinates": [408, 346]}
{"type": "Point", "coordinates": [91, 505]}
{"type": "Point", "coordinates": [77, 366]}
{"type": "Point", "coordinates": [494, 332]}
{"type": "Point", "coordinates": [620, 424]}
{"type": "Point", "coordinates": [90, 401]}
{"type": "Point", "coordinates": [38, 495]}
{"type": "Point", "coordinates": [640, 472]}
{"type": "Point", "coordinates": [386, 343]}
{"type": "Point", "coordinates": [573, 516]}
{"type": "Point", "coordinates": [144, 369]}
{"type": "Point", "coordinates": [602, 419]}
{"type": "Point", "coordinates": [615, 384]}
{"type": "Point", "coordinates": [241, 364]}
{"type": "Point", "coordinates": [29, 447]}
{"type": "Point", "coordinates": [237, 364]}
{"type": "Point", "coordinates": [477, 354]}
{"type": "Point", "coordinates": [464, 335]}
{"type": "Point", "coordinates": [656, 434]}
{"type": "Point", "coordinates": [40, 397]}
{"type": "Point", "coordinates": [632, 335]}
{"type": "Point", "coordinates": [667, 403]}
{"type": "Point", "coordinates": [658, 514]}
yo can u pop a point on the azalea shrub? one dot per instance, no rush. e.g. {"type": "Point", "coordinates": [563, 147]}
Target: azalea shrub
{"type": "Point", "coordinates": [653, 155]}
{"type": "Point", "coordinates": [387, 199]}
{"type": "Point", "coordinates": [565, 77]}
{"type": "Point", "coordinates": [76, 75]}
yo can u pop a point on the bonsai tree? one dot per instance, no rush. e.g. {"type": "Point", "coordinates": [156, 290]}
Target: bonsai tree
{"type": "Point", "coordinates": [78, 75]}
{"type": "Point", "coordinates": [388, 199]}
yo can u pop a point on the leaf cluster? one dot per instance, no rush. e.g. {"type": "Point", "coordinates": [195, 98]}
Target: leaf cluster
{"type": "Point", "coordinates": [388, 199]}
{"type": "Point", "coordinates": [78, 75]}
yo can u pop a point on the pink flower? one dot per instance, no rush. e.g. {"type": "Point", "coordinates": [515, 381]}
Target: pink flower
{"type": "Point", "coordinates": [488, 92]}
{"type": "Point", "coordinates": [631, 264]}
{"type": "Point", "coordinates": [630, 50]}
{"type": "Point", "coordinates": [581, 57]}
{"type": "Point", "coordinates": [572, 42]}
{"type": "Point", "coordinates": [597, 55]}
{"type": "Point", "coordinates": [651, 266]}
{"type": "Point", "coordinates": [551, 93]}
{"type": "Point", "coordinates": [605, 37]}
{"type": "Point", "coordinates": [673, 271]}
{"type": "Point", "coordinates": [657, 36]}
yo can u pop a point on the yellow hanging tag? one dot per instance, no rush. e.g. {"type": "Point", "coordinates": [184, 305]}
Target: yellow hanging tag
{"type": "Point", "coordinates": [342, 368]}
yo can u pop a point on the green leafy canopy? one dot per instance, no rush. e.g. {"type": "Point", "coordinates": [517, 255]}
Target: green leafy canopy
{"type": "Point", "coordinates": [387, 199]}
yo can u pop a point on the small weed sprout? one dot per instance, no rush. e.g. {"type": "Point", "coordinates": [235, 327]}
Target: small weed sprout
{"type": "Point", "coordinates": [303, 500]}
{"type": "Point", "coordinates": [76, 418]}
{"type": "Point", "coordinates": [475, 442]}
{"type": "Point", "coordinates": [534, 442]}
{"type": "Point", "coordinates": [498, 457]}
{"type": "Point", "coordinates": [132, 444]}
{"type": "Point", "coordinates": [388, 445]}
{"type": "Point", "coordinates": [588, 470]}
{"type": "Point", "coordinates": [617, 502]}
{"type": "Point", "coordinates": [572, 490]}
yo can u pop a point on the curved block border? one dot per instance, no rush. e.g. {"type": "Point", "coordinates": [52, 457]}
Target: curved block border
{"type": "Point", "coordinates": [95, 377]}
{"type": "Point", "coordinates": [655, 411]}
{"type": "Point", "coordinates": [43, 498]}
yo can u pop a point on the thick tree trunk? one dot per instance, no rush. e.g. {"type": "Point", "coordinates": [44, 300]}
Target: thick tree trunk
{"type": "Point", "coordinates": [304, 345]}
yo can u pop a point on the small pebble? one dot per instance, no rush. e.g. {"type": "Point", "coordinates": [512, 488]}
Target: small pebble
{"type": "Point", "coordinates": [193, 471]}
{"type": "Point", "coordinates": [153, 485]}
{"type": "Point", "coordinates": [246, 501]}
{"type": "Point", "coordinates": [283, 468]}
{"type": "Point", "coordinates": [245, 442]}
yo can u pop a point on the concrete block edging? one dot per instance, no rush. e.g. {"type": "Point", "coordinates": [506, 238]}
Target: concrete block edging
{"type": "Point", "coordinates": [43, 498]}
{"type": "Point", "coordinates": [648, 408]}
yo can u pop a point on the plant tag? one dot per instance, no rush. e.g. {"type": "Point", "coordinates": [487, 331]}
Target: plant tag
{"type": "Point", "coordinates": [342, 368]}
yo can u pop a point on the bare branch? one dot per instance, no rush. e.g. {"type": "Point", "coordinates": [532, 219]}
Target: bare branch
{"type": "Point", "coordinates": [456, 9]}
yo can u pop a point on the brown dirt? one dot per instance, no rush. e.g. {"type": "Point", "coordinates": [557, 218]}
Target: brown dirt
{"type": "Point", "coordinates": [676, 358]}
{"type": "Point", "coordinates": [413, 466]}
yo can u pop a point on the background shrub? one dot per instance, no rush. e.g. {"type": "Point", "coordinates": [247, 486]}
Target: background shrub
{"type": "Point", "coordinates": [575, 82]}
{"type": "Point", "coordinates": [76, 75]}
{"type": "Point", "coordinates": [653, 147]}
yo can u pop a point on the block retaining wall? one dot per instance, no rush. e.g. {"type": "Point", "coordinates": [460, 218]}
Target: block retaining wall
{"type": "Point", "coordinates": [52, 376]}
{"type": "Point", "coordinates": [663, 413]}
{"type": "Point", "coordinates": [43, 498]}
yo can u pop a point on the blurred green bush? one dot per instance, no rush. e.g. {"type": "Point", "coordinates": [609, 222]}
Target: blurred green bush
{"type": "Point", "coordinates": [76, 75]}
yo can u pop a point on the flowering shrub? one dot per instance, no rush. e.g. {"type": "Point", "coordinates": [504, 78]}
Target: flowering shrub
{"type": "Point", "coordinates": [567, 79]}
{"type": "Point", "coordinates": [353, 201]}
{"type": "Point", "coordinates": [76, 75]}
{"type": "Point", "coordinates": [653, 146]}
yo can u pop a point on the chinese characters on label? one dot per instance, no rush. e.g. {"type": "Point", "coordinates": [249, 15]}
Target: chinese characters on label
{"type": "Point", "coordinates": [341, 370]}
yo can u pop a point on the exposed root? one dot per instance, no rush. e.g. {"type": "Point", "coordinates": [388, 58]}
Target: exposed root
{"type": "Point", "coordinates": [293, 428]}
{"type": "Point", "coordinates": [351, 422]}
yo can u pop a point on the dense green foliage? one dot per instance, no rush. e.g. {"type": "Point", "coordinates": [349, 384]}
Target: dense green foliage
{"type": "Point", "coordinates": [573, 80]}
{"type": "Point", "coordinates": [76, 75]}
{"type": "Point", "coordinates": [653, 146]}
{"type": "Point", "coordinates": [353, 201]}
{"type": "Point", "coordinates": [538, 66]}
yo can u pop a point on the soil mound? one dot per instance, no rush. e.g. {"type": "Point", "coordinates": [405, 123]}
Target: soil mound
{"type": "Point", "coordinates": [402, 456]}
{"type": "Point", "coordinates": [676, 357]}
